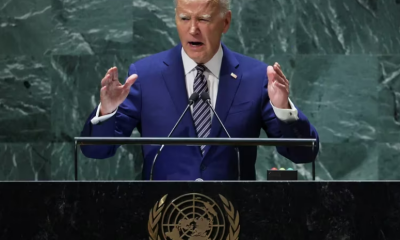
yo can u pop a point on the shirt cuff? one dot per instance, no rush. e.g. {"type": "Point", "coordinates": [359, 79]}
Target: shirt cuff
{"type": "Point", "coordinates": [286, 115]}
{"type": "Point", "coordinates": [96, 120]}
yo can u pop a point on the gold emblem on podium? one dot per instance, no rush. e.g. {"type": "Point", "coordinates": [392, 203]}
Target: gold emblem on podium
{"type": "Point", "coordinates": [193, 217]}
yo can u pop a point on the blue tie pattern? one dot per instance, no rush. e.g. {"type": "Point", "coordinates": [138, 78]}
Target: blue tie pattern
{"type": "Point", "coordinates": [201, 111]}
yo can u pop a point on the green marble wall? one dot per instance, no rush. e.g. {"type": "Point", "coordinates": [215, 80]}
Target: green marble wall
{"type": "Point", "coordinates": [342, 57]}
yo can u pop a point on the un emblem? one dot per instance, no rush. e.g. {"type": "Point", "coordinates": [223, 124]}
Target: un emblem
{"type": "Point", "coordinates": [193, 217]}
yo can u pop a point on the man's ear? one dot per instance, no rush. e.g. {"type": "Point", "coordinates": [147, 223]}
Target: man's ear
{"type": "Point", "coordinates": [228, 20]}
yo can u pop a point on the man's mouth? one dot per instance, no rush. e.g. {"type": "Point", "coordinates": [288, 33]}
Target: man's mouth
{"type": "Point", "coordinates": [196, 44]}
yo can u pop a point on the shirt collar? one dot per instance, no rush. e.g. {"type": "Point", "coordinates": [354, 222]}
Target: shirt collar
{"type": "Point", "coordinates": [214, 65]}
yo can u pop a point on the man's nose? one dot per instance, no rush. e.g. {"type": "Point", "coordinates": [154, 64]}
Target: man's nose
{"type": "Point", "coordinates": [194, 28]}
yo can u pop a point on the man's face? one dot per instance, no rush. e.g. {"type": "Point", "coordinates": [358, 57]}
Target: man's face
{"type": "Point", "coordinates": [200, 27]}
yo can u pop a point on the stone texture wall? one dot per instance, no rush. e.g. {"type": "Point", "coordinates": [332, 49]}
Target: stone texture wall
{"type": "Point", "coordinates": [342, 58]}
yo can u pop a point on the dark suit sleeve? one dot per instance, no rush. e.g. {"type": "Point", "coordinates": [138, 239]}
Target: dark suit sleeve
{"type": "Point", "coordinates": [276, 128]}
{"type": "Point", "coordinates": [121, 124]}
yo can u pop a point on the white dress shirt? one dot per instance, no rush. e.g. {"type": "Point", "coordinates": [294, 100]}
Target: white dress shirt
{"type": "Point", "coordinates": [213, 67]}
{"type": "Point", "coordinates": [212, 76]}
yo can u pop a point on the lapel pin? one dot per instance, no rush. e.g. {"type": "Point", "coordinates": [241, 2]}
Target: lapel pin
{"type": "Point", "coordinates": [233, 75]}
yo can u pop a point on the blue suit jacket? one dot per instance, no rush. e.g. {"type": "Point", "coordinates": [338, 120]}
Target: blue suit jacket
{"type": "Point", "coordinates": [159, 97]}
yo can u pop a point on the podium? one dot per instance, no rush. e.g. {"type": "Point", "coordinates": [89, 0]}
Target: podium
{"type": "Point", "coordinates": [237, 210]}
{"type": "Point", "coordinates": [189, 210]}
{"type": "Point", "coordinates": [235, 142]}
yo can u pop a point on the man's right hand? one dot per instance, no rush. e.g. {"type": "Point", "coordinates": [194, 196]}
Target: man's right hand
{"type": "Point", "coordinates": [112, 92]}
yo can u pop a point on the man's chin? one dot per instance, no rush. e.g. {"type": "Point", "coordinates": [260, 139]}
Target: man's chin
{"type": "Point", "coordinates": [197, 57]}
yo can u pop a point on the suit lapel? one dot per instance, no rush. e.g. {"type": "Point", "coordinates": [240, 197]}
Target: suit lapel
{"type": "Point", "coordinates": [227, 89]}
{"type": "Point", "coordinates": [174, 78]}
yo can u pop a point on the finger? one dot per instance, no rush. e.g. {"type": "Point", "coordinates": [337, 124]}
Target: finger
{"type": "Point", "coordinates": [271, 74]}
{"type": "Point", "coordinates": [113, 74]}
{"type": "Point", "coordinates": [276, 64]}
{"type": "Point", "coordinates": [282, 80]}
{"type": "Point", "coordinates": [116, 74]}
{"type": "Point", "coordinates": [281, 86]}
{"type": "Point", "coordinates": [106, 80]}
{"type": "Point", "coordinates": [278, 70]}
{"type": "Point", "coordinates": [130, 81]}
{"type": "Point", "coordinates": [109, 72]}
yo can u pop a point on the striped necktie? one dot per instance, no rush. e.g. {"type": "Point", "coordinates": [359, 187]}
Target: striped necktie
{"type": "Point", "coordinates": [201, 111]}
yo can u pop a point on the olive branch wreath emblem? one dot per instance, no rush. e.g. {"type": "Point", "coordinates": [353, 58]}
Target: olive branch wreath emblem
{"type": "Point", "coordinates": [156, 212]}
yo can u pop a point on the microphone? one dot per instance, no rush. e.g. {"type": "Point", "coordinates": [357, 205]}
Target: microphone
{"type": "Point", "coordinates": [193, 98]}
{"type": "Point", "coordinates": [206, 98]}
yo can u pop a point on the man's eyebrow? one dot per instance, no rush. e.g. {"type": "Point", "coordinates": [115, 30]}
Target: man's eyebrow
{"type": "Point", "coordinates": [207, 16]}
{"type": "Point", "coordinates": [204, 16]}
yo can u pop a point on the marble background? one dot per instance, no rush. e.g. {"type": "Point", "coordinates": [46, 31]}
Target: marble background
{"type": "Point", "coordinates": [342, 57]}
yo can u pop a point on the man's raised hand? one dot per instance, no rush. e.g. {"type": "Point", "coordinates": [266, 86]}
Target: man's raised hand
{"type": "Point", "coordinates": [278, 87]}
{"type": "Point", "coordinates": [112, 92]}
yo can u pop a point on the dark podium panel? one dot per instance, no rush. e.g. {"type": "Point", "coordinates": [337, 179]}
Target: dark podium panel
{"type": "Point", "coordinates": [200, 210]}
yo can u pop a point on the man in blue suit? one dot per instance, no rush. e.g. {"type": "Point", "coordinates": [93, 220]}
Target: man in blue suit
{"type": "Point", "coordinates": [247, 94]}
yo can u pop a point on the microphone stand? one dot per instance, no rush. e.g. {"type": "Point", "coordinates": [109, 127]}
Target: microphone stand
{"type": "Point", "coordinates": [192, 100]}
{"type": "Point", "coordinates": [206, 97]}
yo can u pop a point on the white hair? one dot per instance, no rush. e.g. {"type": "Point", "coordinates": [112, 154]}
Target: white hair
{"type": "Point", "coordinates": [224, 4]}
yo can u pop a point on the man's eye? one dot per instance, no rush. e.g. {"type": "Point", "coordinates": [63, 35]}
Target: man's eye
{"type": "Point", "coordinates": [204, 20]}
{"type": "Point", "coordinates": [185, 19]}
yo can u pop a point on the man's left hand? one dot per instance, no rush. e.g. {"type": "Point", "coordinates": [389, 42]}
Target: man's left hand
{"type": "Point", "coordinates": [278, 87]}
